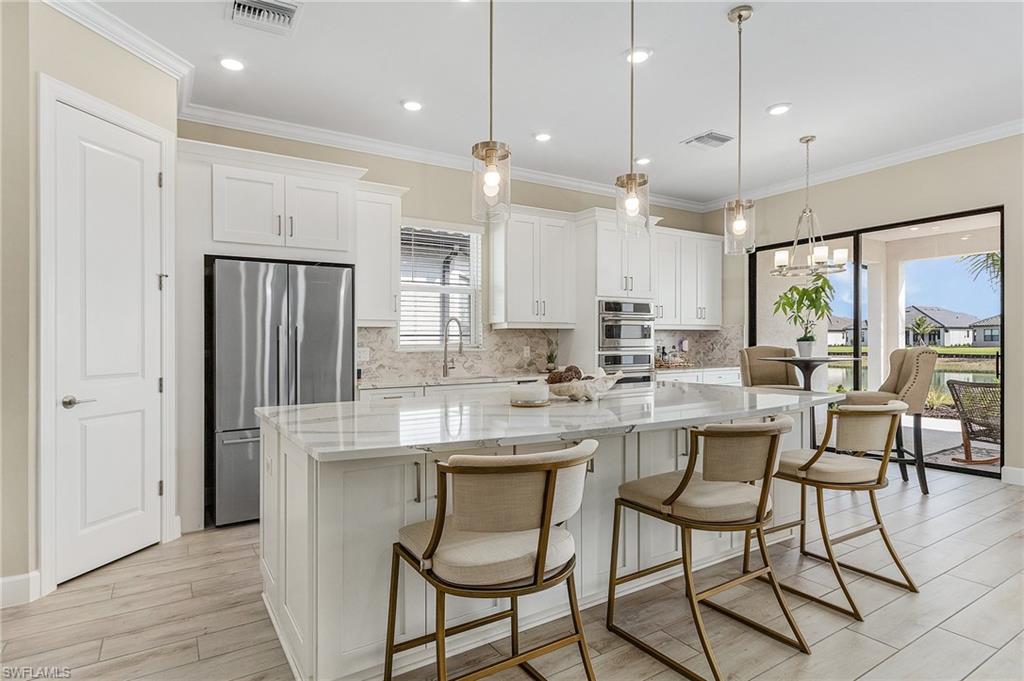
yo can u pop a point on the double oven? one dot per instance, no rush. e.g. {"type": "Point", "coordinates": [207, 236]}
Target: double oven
{"type": "Point", "coordinates": [625, 341]}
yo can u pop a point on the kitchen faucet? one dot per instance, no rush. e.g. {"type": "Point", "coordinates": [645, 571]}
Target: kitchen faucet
{"type": "Point", "coordinates": [445, 366]}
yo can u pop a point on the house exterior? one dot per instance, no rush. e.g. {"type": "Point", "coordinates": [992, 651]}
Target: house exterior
{"type": "Point", "coordinates": [987, 332]}
{"type": "Point", "coordinates": [949, 328]}
{"type": "Point", "coordinates": [839, 330]}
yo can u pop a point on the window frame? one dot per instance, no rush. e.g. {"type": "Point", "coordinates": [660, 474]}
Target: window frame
{"type": "Point", "coordinates": [476, 293]}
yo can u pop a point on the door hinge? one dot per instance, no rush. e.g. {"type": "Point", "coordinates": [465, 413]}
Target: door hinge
{"type": "Point", "coordinates": [160, 281]}
{"type": "Point", "coordinates": [160, 488]}
{"type": "Point", "coordinates": [160, 180]}
{"type": "Point", "coordinates": [160, 384]}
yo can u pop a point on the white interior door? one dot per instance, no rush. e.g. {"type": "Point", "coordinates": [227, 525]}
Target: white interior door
{"type": "Point", "coordinates": [108, 417]}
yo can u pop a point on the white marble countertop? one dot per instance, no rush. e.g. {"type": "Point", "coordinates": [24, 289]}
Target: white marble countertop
{"type": "Point", "coordinates": [669, 370]}
{"type": "Point", "coordinates": [367, 384]}
{"type": "Point", "coordinates": [378, 428]}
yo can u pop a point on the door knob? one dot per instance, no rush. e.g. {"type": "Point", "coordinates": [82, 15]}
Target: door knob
{"type": "Point", "coordinates": [70, 401]}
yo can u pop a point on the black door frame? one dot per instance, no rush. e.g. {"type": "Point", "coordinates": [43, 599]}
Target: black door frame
{"type": "Point", "coordinates": [856, 235]}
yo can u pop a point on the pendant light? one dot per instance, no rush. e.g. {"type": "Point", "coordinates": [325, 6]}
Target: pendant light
{"type": "Point", "coordinates": [739, 214]}
{"type": "Point", "coordinates": [491, 179]}
{"type": "Point", "coordinates": [632, 193]}
{"type": "Point", "coordinates": [817, 259]}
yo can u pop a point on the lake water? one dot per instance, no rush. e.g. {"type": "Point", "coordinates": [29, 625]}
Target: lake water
{"type": "Point", "coordinates": [840, 374]}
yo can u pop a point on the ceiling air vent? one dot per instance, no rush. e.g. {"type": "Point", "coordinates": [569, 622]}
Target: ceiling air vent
{"type": "Point", "coordinates": [710, 139]}
{"type": "Point", "coordinates": [273, 16]}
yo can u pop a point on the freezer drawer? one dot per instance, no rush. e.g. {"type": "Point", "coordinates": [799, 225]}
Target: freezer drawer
{"type": "Point", "coordinates": [238, 476]}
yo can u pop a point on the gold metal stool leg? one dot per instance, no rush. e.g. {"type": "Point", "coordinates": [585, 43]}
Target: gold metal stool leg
{"type": "Point", "coordinates": [777, 589]}
{"type": "Point", "coordinates": [888, 544]}
{"type": "Point", "coordinates": [442, 664]}
{"type": "Point", "coordinates": [577, 625]}
{"type": "Point", "coordinates": [389, 652]}
{"type": "Point", "coordinates": [854, 611]}
{"type": "Point", "coordinates": [691, 597]}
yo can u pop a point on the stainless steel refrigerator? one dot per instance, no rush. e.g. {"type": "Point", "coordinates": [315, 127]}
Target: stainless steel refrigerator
{"type": "Point", "coordinates": [277, 333]}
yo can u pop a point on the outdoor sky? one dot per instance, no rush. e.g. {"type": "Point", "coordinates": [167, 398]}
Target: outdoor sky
{"type": "Point", "coordinates": [939, 282]}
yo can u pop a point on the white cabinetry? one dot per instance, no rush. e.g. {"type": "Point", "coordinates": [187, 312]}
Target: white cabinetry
{"type": "Point", "coordinates": [320, 214]}
{"type": "Point", "coordinates": [668, 255]}
{"type": "Point", "coordinates": [625, 263]}
{"type": "Point", "coordinates": [533, 273]}
{"type": "Point", "coordinates": [719, 376]}
{"type": "Point", "coordinates": [701, 281]}
{"type": "Point", "coordinates": [378, 238]}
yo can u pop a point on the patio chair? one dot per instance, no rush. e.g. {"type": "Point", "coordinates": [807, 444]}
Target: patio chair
{"type": "Point", "coordinates": [910, 377]}
{"type": "Point", "coordinates": [980, 411]}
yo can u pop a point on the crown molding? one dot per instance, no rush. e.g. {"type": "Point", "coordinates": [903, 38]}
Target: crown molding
{"type": "Point", "coordinates": [125, 36]}
{"type": "Point", "coordinates": [970, 139]}
{"type": "Point", "coordinates": [332, 138]}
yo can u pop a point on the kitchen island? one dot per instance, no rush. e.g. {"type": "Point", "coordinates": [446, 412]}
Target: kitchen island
{"type": "Point", "coordinates": [338, 480]}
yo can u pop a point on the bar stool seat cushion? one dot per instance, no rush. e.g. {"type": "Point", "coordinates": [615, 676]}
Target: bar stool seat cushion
{"type": "Point", "coordinates": [710, 502]}
{"type": "Point", "coordinates": [487, 558]}
{"type": "Point", "coordinates": [842, 469]}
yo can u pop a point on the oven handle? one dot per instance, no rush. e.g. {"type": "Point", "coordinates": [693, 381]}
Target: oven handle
{"type": "Point", "coordinates": [628, 317]}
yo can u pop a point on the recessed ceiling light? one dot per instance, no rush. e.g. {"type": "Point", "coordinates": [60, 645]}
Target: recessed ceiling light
{"type": "Point", "coordinates": [965, 237]}
{"type": "Point", "coordinates": [411, 105]}
{"type": "Point", "coordinates": [232, 64]}
{"type": "Point", "coordinates": [642, 161]}
{"type": "Point", "coordinates": [542, 137]}
{"type": "Point", "coordinates": [914, 229]}
{"type": "Point", "coordinates": [779, 109]}
{"type": "Point", "coordinates": [936, 226]}
{"type": "Point", "coordinates": [640, 55]}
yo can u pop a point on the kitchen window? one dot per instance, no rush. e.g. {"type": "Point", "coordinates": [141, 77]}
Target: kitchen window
{"type": "Point", "coordinates": [440, 279]}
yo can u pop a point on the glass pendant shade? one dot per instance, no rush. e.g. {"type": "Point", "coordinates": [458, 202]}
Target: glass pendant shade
{"type": "Point", "coordinates": [632, 203]}
{"type": "Point", "coordinates": [491, 181]}
{"type": "Point", "coordinates": [739, 227]}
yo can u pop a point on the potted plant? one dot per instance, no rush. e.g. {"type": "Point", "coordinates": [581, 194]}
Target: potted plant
{"type": "Point", "coordinates": [805, 306]}
{"type": "Point", "coordinates": [552, 354]}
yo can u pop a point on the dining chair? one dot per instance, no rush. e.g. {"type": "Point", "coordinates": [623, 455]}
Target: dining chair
{"type": "Point", "coordinates": [755, 372]}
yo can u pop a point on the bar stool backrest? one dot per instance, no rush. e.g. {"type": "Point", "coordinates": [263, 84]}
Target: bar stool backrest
{"type": "Point", "coordinates": [910, 376]}
{"type": "Point", "coordinates": [755, 371]}
{"type": "Point", "coordinates": [510, 493]}
{"type": "Point", "coordinates": [741, 452]}
{"type": "Point", "coordinates": [867, 428]}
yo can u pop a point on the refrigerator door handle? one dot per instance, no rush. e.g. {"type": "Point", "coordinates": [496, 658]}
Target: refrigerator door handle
{"type": "Point", "coordinates": [298, 371]}
{"type": "Point", "coordinates": [282, 349]}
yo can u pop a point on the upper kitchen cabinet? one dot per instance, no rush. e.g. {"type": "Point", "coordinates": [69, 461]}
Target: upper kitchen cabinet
{"type": "Point", "coordinates": [668, 253]}
{"type": "Point", "coordinates": [533, 271]}
{"type": "Point", "coordinates": [272, 200]}
{"type": "Point", "coordinates": [378, 238]}
{"type": "Point", "coordinates": [624, 263]}
{"type": "Point", "coordinates": [697, 274]}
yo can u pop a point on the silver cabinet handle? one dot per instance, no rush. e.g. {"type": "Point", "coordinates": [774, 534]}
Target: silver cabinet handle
{"type": "Point", "coordinates": [536, 309]}
{"type": "Point", "coordinates": [625, 282]}
{"type": "Point", "coordinates": [631, 282]}
{"type": "Point", "coordinates": [291, 225]}
{"type": "Point", "coordinates": [394, 304]}
{"type": "Point", "coordinates": [70, 401]}
{"type": "Point", "coordinates": [419, 482]}
{"type": "Point", "coordinates": [392, 397]}
{"type": "Point", "coordinates": [241, 441]}
{"type": "Point", "coordinates": [279, 217]}
{"type": "Point", "coordinates": [544, 308]}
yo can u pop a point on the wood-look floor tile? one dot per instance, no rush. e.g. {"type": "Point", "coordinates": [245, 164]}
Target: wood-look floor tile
{"type": "Point", "coordinates": [868, 594]}
{"type": "Point", "coordinates": [552, 663]}
{"type": "Point", "coordinates": [220, 567]}
{"type": "Point", "coordinates": [939, 655]}
{"type": "Point", "coordinates": [227, 667]}
{"type": "Point", "coordinates": [934, 560]}
{"type": "Point", "coordinates": [139, 664]}
{"type": "Point", "coordinates": [151, 571]}
{"type": "Point", "coordinates": [72, 656]}
{"type": "Point", "coordinates": [58, 600]}
{"type": "Point", "coordinates": [241, 636]}
{"type": "Point", "coordinates": [991, 530]}
{"type": "Point", "coordinates": [844, 655]}
{"type": "Point", "coordinates": [1005, 665]}
{"type": "Point", "coordinates": [466, 661]}
{"type": "Point", "coordinates": [186, 628]}
{"type": "Point", "coordinates": [624, 663]}
{"type": "Point", "coordinates": [221, 583]}
{"type": "Point", "coordinates": [937, 528]}
{"type": "Point", "coordinates": [995, 618]}
{"type": "Point", "coordinates": [995, 565]}
{"type": "Point", "coordinates": [911, 615]}
{"type": "Point", "coordinates": [280, 673]}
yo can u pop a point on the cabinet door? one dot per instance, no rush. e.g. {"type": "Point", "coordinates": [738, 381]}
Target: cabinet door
{"type": "Point", "coordinates": [248, 206]}
{"type": "Point", "coordinates": [556, 272]}
{"type": "Point", "coordinates": [270, 507]}
{"type": "Point", "coordinates": [711, 281]}
{"type": "Point", "coordinates": [378, 234]}
{"type": "Point", "coordinates": [661, 451]}
{"type": "Point", "coordinates": [667, 254]}
{"type": "Point", "coordinates": [689, 289]}
{"type": "Point", "coordinates": [368, 502]}
{"type": "Point", "coordinates": [611, 281]}
{"type": "Point", "coordinates": [639, 249]}
{"type": "Point", "coordinates": [521, 269]}
{"type": "Point", "coordinates": [320, 214]}
{"type": "Point", "coordinates": [615, 462]}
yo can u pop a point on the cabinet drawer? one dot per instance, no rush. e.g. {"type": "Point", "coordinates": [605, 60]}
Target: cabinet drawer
{"type": "Point", "coordinates": [681, 376]}
{"type": "Point", "coordinates": [722, 376]}
{"type": "Point", "coordinates": [389, 393]}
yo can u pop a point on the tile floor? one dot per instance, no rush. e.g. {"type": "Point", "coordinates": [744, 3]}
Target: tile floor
{"type": "Point", "coordinates": [191, 609]}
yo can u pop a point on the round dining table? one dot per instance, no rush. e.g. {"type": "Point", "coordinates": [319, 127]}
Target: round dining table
{"type": "Point", "coordinates": [807, 367]}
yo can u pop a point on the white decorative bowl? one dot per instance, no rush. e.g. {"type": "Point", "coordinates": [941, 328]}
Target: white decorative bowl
{"type": "Point", "coordinates": [586, 390]}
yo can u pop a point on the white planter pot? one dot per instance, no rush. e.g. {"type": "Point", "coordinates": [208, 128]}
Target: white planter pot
{"type": "Point", "coordinates": [805, 348]}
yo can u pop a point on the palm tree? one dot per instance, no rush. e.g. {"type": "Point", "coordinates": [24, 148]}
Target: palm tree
{"type": "Point", "coordinates": [989, 264]}
{"type": "Point", "coordinates": [920, 328]}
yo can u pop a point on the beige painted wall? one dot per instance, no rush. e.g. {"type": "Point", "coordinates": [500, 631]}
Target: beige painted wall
{"type": "Point", "coordinates": [981, 176]}
{"type": "Point", "coordinates": [38, 39]}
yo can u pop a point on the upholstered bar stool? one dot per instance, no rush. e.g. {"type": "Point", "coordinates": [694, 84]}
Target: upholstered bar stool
{"type": "Point", "coordinates": [755, 372]}
{"type": "Point", "coordinates": [723, 497]}
{"type": "Point", "coordinates": [859, 429]}
{"type": "Point", "coordinates": [909, 379]}
{"type": "Point", "coordinates": [503, 540]}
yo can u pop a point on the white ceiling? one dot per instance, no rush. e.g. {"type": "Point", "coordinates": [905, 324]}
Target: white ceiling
{"type": "Point", "coordinates": [874, 81]}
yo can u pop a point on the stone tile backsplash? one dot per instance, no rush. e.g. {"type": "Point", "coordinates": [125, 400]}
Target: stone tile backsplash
{"type": "Point", "coordinates": [707, 348]}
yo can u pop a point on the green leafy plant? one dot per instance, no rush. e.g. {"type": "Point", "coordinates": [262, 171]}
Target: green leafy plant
{"type": "Point", "coordinates": [921, 327]}
{"type": "Point", "coordinates": [989, 264]}
{"type": "Point", "coordinates": [805, 306]}
{"type": "Point", "coordinates": [552, 352]}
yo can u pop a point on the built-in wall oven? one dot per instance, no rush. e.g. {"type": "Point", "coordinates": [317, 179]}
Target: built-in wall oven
{"type": "Point", "coordinates": [626, 342]}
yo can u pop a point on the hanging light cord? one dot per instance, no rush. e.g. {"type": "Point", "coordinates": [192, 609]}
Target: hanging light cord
{"type": "Point", "coordinates": [739, 115]}
{"type": "Point", "coordinates": [632, 69]}
{"type": "Point", "coordinates": [807, 177]}
{"type": "Point", "coordinates": [490, 79]}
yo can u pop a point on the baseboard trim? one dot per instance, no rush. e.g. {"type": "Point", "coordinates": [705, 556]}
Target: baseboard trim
{"type": "Point", "coordinates": [1013, 476]}
{"type": "Point", "coordinates": [19, 589]}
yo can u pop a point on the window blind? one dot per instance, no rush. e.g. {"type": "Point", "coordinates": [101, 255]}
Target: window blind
{"type": "Point", "coordinates": [440, 279]}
